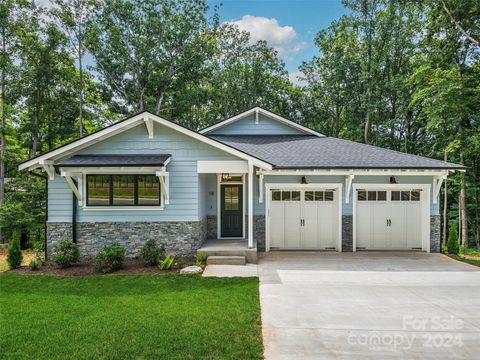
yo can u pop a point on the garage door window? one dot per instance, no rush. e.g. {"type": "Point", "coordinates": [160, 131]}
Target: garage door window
{"type": "Point", "coordinates": [364, 195]}
{"type": "Point", "coordinates": [285, 195]}
{"type": "Point", "coordinates": [318, 195]}
{"type": "Point", "coordinates": [413, 195]}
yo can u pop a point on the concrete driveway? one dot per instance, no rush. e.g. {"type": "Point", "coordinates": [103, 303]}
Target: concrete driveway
{"type": "Point", "coordinates": [375, 305]}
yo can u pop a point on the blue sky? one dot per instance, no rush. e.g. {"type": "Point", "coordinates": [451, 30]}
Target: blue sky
{"type": "Point", "coordinates": [289, 26]}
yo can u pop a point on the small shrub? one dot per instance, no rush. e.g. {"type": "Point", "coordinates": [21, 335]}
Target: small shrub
{"type": "Point", "coordinates": [452, 243]}
{"type": "Point", "coordinates": [65, 253]}
{"type": "Point", "coordinates": [14, 254]}
{"type": "Point", "coordinates": [34, 265]}
{"type": "Point", "coordinates": [151, 253]}
{"type": "Point", "coordinates": [110, 258]}
{"type": "Point", "coordinates": [166, 263]}
{"type": "Point", "coordinates": [201, 259]}
{"type": "Point", "coordinates": [39, 250]}
{"type": "Point", "coordinates": [444, 249]}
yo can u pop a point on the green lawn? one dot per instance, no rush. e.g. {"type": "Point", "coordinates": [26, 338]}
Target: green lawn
{"type": "Point", "coordinates": [129, 317]}
{"type": "Point", "coordinates": [475, 262]}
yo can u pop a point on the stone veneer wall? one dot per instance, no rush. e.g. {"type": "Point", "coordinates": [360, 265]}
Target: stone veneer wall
{"type": "Point", "coordinates": [347, 233]}
{"type": "Point", "coordinates": [435, 233]}
{"type": "Point", "coordinates": [258, 229]}
{"type": "Point", "coordinates": [212, 227]}
{"type": "Point", "coordinates": [179, 237]}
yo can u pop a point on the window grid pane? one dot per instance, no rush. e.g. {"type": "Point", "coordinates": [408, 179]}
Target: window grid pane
{"type": "Point", "coordinates": [286, 195]}
{"type": "Point", "coordinates": [328, 195]}
{"type": "Point", "coordinates": [276, 195]}
{"type": "Point", "coordinates": [309, 196]}
{"type": "Point", "coordinates": [98, 189]}
{"type": "Point", "coordinates": [148, 190]}
{"type": "Point", "coordinates": [362, 195]}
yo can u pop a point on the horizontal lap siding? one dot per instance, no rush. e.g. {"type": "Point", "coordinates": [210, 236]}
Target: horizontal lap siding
{"type": "Point", "coordinates": [265, 126]}
{"type": "Point", "coordinates": [185, 202]}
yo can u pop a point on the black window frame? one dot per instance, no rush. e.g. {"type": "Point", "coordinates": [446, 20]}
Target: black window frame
{"type": "Point", "coordinates": [135, 192]}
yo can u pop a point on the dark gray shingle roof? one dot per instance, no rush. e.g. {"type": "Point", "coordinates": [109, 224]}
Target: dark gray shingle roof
{"type": "Point", "coordinates": [115, 160]}
{"type": "Point", "coordinates": [303, 151]}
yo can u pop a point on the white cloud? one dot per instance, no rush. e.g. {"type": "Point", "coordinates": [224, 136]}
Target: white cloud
{"type": "Point", "coordinates": [281, 38]}
{"type": "Point", "coordinates": [294, 78]}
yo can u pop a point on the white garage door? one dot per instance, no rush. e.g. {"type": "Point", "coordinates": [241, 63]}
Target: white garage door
{"type": "Point", "coordinates": [304, 219]}
{"type": "Point", "coordinates": [389, 220]}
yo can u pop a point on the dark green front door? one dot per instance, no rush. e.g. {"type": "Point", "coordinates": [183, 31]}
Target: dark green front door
{"type": "Point", "coordinates": [231, 210]}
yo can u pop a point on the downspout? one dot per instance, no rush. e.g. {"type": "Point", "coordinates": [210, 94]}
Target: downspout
{"type": "Point", "coordinates": [46, 209]}
{"type": "Point", "coordinates": [74, 216]}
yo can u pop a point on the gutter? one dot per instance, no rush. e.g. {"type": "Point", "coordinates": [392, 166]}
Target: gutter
{"type": "Point", "coordinates": [44, 177]}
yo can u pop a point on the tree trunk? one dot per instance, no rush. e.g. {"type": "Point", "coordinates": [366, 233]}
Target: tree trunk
{"type": "Point", "coordinates": [3, 143]}
{"type": "Point", "coordinates": [463, 203]}
{"type": "Point", "coordinates": [367, 127]}
{"type": "Point", "coordinates": [80, 88]}
{"type": "Point", "coordinates": [445, 206]}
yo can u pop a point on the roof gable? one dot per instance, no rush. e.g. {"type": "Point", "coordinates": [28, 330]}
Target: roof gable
{"type": "Point", "coordinates": [258, 121]}
{"type": "Point", "coordinates": [146, 118]}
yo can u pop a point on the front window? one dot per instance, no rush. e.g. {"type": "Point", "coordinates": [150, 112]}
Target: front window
{"type": "Point", "coordinates": [123, 190]}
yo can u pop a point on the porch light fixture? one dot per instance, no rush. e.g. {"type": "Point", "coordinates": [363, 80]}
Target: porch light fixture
{"type": "Point", "coordinates": [304, 180]}
{"type": "Point", "coordinates": [393, 180]}
{"type": "Point", "coordinates": [226, 177]}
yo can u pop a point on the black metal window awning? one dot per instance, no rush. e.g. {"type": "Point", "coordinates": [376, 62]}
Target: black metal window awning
{"type": "Point", "coordinates": [134, 160]}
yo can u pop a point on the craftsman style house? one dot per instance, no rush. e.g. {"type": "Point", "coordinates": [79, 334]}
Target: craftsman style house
{"type": "Point", "coordinates": [257, 179]}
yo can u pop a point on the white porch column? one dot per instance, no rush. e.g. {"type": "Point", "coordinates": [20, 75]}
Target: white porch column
{"type": "Point", "coordinates": [250, 205]}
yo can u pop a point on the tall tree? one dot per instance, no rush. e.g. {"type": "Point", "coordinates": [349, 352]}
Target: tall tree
{"type": "Point", "coordinates": [13, 18]}
{"type": "Point", "coordinates": [141, 47]}
{"type": "Point", "coordinates": [73, 16]}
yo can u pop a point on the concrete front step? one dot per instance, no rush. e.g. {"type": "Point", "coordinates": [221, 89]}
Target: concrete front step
{"type": "Point", "coordinates": [226, 260]}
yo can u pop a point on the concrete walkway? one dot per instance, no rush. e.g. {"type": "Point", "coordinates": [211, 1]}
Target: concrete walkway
{"type": "Point", "coordinates": [372, 305]}
{"type": "Point", "coordinates": [247, 270]}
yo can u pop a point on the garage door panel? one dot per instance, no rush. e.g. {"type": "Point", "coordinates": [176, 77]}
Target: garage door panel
{"type": "Point", "coordinates": [398, 225]}
{"type": "Point", "coordinates": [277, 230]}
{"type": "Point", "coordinates": [414, 225]}
{"type": "Point", "coordinates": [292, 225]}
{"type": "Point", "coordinates": [310, 235]}
{"type": "Point", "coordinates": [327, 216]}
{"type": "Point", "coordinates": [380, 237]}
{"type": "Point", "coordinates": [364, 225]}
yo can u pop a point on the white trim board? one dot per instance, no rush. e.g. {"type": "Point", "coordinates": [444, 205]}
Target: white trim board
{"type": "Point", "coordinates": [425, 208]}
{"type": "Point", "coordinates": [358, 172]}
{"type": "Point", "coordinates": [289, 186]}
{"type": "Point", "coordinates": [255, 111]}
{"type": "Point", "coordinates": [217, 167]}
{"type": "Point", "coordinates": [129, 123]}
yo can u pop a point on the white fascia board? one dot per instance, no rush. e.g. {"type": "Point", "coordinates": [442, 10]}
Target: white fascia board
{"type": "Point", "coordinates": [128, 124]}
{"type": "Point", "coordinates": [372, 172]}
{"type": "Point", "coordinates": [256, 111]}
{"type": "Point", "coordinates": [84, 142]}
{"type": "Point", "coordinates": [219, 167]}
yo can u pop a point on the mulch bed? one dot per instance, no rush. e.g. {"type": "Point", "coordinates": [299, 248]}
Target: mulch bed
{"type": "Point", "coordinates": [86, 267]}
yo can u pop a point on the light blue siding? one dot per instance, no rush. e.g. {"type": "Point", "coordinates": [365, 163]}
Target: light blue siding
{"type": "Point", "coordinates": [60, 200]}
{"type": "Point", "coordinates": [186, 202]}
{"type": "Point", "coordinates": [265, 126]}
